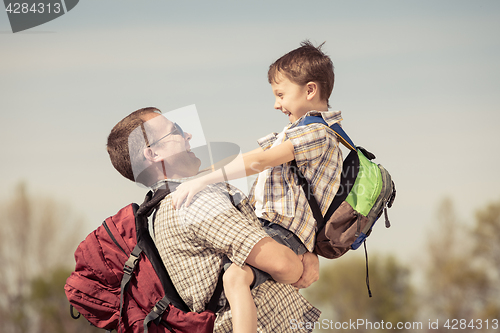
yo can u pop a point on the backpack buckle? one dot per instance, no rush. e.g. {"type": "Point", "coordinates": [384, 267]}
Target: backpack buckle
{"type": "Point", "coordinates": [161, 306]}
{"type": "Point", "coordinates": [129, 266]}
{"type": "Point", "coordinates": [131, 262]}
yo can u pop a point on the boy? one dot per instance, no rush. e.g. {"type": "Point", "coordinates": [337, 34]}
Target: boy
{"type": "Point", "coordinates": [302, 81]}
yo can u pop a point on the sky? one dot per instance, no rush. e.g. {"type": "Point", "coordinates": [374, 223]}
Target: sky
{"type": "Point", "coordinates": [417, 83]}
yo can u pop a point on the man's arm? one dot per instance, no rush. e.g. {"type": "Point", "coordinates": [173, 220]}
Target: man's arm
{"type": "Point", "coordinates": [310, 262]}
{"type": "Point", "coordinates": [283, 264]}
{"type": "Point", "coordinates": [277, 260]}
{"type": "Point", "coordinates": [214, 222]}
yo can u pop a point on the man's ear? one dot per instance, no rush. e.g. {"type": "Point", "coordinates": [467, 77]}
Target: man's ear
{"type": "Point", "coordinates": [312, 90]}
{"type": "Point", "coordinates": [151, 155]}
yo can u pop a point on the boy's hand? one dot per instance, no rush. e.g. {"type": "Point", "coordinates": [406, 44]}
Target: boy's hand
{"type": "Point", "coordinates": [186, 191]}
{"type": "Point", "coordinates": [311, 271]}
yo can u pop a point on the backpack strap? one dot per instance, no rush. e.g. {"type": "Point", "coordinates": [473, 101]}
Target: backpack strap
{"type": "Point", "coordinates": [148, 246]}
{"type": "Point", "coordinates": [156, 314]}
{"type": "Point", "coordinates": [128, 270]}
{"type": "Point", "coordinates": [214, 301]}
{"type": "Point", "coordinates": [320, 220]}
{"type": "Point", "coordinates": [162, 305]}
{"type": "Point", "coordinates": [345, 140]}
{"type": "Point", "coordinates": [341, 135]}
{"type": "Point", "coordinates": [146, 243]}
{"type": "Point", "coordinates": [316, 211]}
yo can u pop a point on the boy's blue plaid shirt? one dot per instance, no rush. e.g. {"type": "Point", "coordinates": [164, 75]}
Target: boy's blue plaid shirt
{"type": "Point", "coordinates": [319, 157]}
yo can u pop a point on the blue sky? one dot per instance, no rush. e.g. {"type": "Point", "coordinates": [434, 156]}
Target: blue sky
{"type": "Point", "coordinates": [417, 82]}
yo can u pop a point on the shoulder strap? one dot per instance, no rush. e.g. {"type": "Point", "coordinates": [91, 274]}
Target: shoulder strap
{"type": "Point", "coordinates": [128, 270]}
{"type": "Point", "coordinates": [316, 211]}
{"type": "Point", "coordinates": [345, 140]}
{"type": "Point", "coordinates": [144, 240]}
{"type": "Point", "coordinates": [213, 304]}
{"type": "Point", "coordinates": [147, 244]}
{"type": "Point", "coordinates": [342, 136]}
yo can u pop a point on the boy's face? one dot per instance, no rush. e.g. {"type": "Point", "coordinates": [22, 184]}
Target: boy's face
{"type": "Point", "coordinates": [291, 98]}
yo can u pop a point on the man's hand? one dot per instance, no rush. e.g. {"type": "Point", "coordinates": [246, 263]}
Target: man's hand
{"type": "Point", "coordinates": [310, 262]}
{"type": "Point", "coordinates": [186, 191]}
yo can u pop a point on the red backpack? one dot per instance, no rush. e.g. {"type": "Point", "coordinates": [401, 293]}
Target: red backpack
{"type": "Point", "coordinates": [120, 281]}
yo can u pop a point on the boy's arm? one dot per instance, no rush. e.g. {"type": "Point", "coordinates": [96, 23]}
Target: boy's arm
{"type": "Point", "coordinates": [257, 150]}
{"type": "Point", "coordinates": [258, 160]}
{"type": "Point", "coordinates": [277, 260]}
{"type": "Point", "coordinates": [248, 164]}
{"type": "Point", "coordinates": [225, 161]}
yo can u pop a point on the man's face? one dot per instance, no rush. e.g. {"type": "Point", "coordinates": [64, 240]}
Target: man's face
{"type": "Point", "coordinates": [169, 145]}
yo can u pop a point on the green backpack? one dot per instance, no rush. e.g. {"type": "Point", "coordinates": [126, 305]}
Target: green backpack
{"type": "Point", "coordinates": [366, 191]}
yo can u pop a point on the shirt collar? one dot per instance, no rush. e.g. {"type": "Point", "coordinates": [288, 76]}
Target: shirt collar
{"type": "Point", "coordinates": [330, 117]}
{"type": "Point", "coordinates": [163, 183]}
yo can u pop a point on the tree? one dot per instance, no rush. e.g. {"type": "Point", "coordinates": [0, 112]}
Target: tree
{"type": "Point", "coordinates": [487, 234]}
{"type": "Point", "coordinates": [48, 297]}
{"type": "Point", "coordinates": [487, 253]}
{"type": "Point", "coordinates": [342, 295]}
{"type": "Point", "coordinates": [457, 284]}
{"type": "Point", "coordinates": [38, 235]}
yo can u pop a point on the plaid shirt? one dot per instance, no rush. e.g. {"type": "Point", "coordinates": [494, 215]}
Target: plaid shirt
{"type": "Point", "coordinates": [319, 157]}
{"type": "Point", "coordinates": [192, 242]}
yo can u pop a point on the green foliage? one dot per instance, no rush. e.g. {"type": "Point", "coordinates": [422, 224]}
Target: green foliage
{"type": "Point", "coordinates": [341, 290]}
{"type": "Point", "coordinates": [487, 234]}
{"type": "Point", "coordinates": [459, 277]}
{"type": "Point", "coordinates": [37, 238]}
{"type": "Point", "coordinates": [459, 281]}
{"type": "Point", "coordinates": [47, 295]}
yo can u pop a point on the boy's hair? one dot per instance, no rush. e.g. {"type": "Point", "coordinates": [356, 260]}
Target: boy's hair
{"type": "Point", "coordinates": [305, 64]}
{"type": "Point", "coordinates": [122, 147]}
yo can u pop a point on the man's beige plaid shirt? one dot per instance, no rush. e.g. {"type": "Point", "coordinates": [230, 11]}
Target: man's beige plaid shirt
{"type": "Point", "coordinates": [192, 242]}
{"type": "Point", "coordinates": [319, 157]}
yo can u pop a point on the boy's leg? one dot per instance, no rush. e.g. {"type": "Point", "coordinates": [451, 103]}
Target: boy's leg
{"type": "Point", "coordinates": [237, 282]}
{"type": "Point", "coordinates": [310, 261]}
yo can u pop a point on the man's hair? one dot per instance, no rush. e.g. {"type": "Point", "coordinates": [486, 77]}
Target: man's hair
{"type": "Point", "coordinates": [305, 64]}
{"type": "Point", "coordinates": [123, 148]}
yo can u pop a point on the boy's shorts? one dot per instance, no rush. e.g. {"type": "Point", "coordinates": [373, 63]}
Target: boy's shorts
{"type": "Point", "coordinates": [282, 236]}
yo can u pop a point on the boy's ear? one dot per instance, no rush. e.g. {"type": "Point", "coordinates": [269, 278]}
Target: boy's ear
{"type": "Point", "coordinates": [312, 90]}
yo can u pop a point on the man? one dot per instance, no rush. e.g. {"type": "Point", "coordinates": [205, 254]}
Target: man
{"type": "Point", "coordinates": [148, 148]}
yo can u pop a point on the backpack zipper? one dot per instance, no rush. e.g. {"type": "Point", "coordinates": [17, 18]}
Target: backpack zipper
{"type": "Point", "coordinates": [113, 237]}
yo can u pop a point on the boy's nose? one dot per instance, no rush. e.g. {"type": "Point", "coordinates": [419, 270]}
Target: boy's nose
{"type": "Point", "coordinates": [277, 105]}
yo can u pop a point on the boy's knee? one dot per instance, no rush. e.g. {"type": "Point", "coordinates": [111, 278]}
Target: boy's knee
{"type": "Point", "coordinates": [289, 266]}
{"type": "Point", "coordinates": [237, 277]}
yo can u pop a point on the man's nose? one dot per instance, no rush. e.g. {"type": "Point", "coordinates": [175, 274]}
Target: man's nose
{"type": "Point", "coordinates": [187, 136]}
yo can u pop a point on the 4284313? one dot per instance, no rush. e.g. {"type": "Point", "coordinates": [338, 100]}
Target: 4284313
{"type": "Point", "coordinates": [35, 8]}
{"type": "Point", "coordinates": [475, 324]}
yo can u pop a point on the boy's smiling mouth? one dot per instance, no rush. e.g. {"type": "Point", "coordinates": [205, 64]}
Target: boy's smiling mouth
{"type": "Point", "coordinates": [288, 114]}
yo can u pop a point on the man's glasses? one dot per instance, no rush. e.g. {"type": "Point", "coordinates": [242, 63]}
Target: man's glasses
{"type": "Point", "coordinates": [177, 130]}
